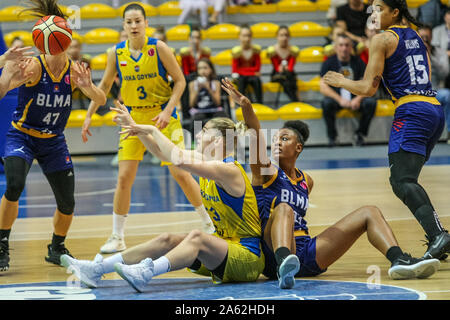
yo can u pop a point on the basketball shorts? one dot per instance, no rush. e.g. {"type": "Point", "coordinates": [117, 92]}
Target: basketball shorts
{"type": "Point", "coordinates": [306, 253]}
{"type": "Point", "coordinates": [242, 265]}
{"type": "Point", "coordinates": [52, 154]}
{"type": "Point", "coordinates": [416, 128]}
{"type": "Point", "coordinates": [133, 149]}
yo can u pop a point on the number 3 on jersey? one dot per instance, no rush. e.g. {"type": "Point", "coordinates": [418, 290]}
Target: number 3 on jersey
{"type": "Point", "coordinates": [415, 66]}
{"type": "Point", "coordinates": [142, 92]}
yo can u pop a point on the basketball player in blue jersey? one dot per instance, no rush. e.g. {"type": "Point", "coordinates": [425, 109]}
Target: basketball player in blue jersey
{"type": "Point", "coordinates": [282, 191]}
{"type": "Point", "coordinates": [232, 253]}
{"type": "Point", "coordinates": [399, 57]}
{"type": "Point", "coordinates": [36, 132]}
{"type": "Point", "coordinates": [144, 65]}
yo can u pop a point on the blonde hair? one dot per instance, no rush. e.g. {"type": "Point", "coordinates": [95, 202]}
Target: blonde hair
{"type": "Point", "coordinates": [226, 126]}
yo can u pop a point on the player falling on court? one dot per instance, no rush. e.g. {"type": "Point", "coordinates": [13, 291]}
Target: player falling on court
{"type": "Point", "coordinates": [282, 191]}
{"type": "Point", "coordinates": [45, 87]}
{"type": "Point", "coordinates": [232, 254]}
{"type": "Point", "coordinates": [399, 57]}
{"type": "Point", "coordinates": [144, 65]}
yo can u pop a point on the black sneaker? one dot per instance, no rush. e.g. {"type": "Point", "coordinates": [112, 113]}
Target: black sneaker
{"type": "Point", "coordinates": [407, 267]}
{"type": "Point", "coordinates": [438, 247]}
{"type": "Point", "coordinates": [54, 254]}
{"type": "Point", "coordinates": [4, 256]}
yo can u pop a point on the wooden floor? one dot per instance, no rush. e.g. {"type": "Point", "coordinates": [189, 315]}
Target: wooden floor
{"type": "Point", "coordinates": [336, 193]}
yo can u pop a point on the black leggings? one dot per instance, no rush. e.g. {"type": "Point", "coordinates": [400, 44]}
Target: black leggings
{"type": "Point", "coordinates": [61, 182]}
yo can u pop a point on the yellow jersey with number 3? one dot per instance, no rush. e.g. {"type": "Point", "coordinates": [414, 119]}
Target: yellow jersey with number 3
{"type": "Point", "coordinates": [235, 219]}
{"type": "Point", "coordinates": [143, 79]}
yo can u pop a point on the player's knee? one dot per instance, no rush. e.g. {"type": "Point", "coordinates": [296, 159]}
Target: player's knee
{"type": "Point", "coordinates": [372, 212]}
{"type": "Point", "coordinates": [124, 182]}
{"type": "Point", "coordinates": [195, 236]}
{"type": "Point", "coordinates": [14, 189]}
{"type": "Point", "coordinates": [402, 188]}
{"type": "Point", "coordinates": [66, 204]}
{"type": "Point", "coordinates": [167, 239]}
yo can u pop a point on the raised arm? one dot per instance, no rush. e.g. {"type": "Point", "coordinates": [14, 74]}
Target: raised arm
{"type": "Point", "coordinates": [82, 79]}
{"type": "Point", "coordinates": [16, 73]}
{"type": "Point", "coordinates": [381, 45]}
{"type": "Point", "coordinates": [15, 54]}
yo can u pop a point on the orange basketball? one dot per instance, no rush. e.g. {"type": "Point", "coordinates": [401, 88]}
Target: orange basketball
{"type": "Point", "coordinates": [52, 35]}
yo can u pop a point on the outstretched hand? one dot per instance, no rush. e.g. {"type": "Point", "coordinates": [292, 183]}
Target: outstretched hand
{"type": "Point", "coordinates": [17, 70]}
{"type": "Point", "coordinates": [81, 75]}
{"type": "Point", "coordinates": [234, 94]}
{"type": "Point", "coordinates": [17, 54]}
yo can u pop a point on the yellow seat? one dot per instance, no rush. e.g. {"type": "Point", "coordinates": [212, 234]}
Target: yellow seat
{"type": "Point", "coordinates": [323, 5]}
{"type": "Point", "coordinates": [177, 33]}
{"type": "Point", "coordinates": [253, 9]}
{"type": "Point", "coordinates": [416, 3]}
{"type": "Point", "coordinates": [346, 113]}
{"type": "Point", "coordinates": [77, 117]}
{"type": "Point", "coordinates": [223, 31]}
{"type": "Point", "coordinates": [302, 85]}
{"type": "Point", "coordinates": [223, 58]}
{"type": "Point", "coordinates": [101, 35]}
{"type": "Point", "coordinates": [169, 8]}
{"type": "Point", "coordinates": [150, 11]}
{"type": "Point", "coordinates": [264, 58]}
{"type": "Point", "coordinates": [26, 37]}
{"type": "Point", "coordinates": [99, 62]}
{"type": "Point", "coordinates": [11, 14]}
{"type": "Point", "coordinates": [296, 6]}
{"type": "Point", "coordinates": [385, 108]}
{"type": "Point", "coordinates": [299, 110]}
{"type": "Point", "coordinates": [97, 11]}
{"type": "Point", "coordinates": [445, 2]}
{"type": "Point", "coordinates": [262, 111]}
{"type": "Point", "coordinates": [108, 119]}
{"type": "Point", "coordinates": [311, 55]}
{"type": "Point", "coordinates": [313, 84]}
{"type": "Point", "coordinates": [149, 31]}
{"type": "Point", "coordinates": [264, 30]}
{"type": "Point", "coordinates": [273, 87]}
{"type": "Point", "coordinates": [308, 29]}
{"type": "Point", "coordinates": [76, 35]}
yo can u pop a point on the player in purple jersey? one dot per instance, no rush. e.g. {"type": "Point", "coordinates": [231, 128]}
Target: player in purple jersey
{"type": "Point", "coordinates": [45, 87]}
{"type": "Point", "coordinates": [289, 250]}
{"type": "Point", "coordinates": [399, 57]}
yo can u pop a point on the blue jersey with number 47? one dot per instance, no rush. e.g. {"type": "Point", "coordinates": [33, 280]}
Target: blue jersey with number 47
{"type": "Point", "coordinates": [408, 70]}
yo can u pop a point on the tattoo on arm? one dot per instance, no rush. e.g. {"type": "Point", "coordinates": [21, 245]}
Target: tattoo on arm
{"type": "Point", "coordinates": [376, 81]}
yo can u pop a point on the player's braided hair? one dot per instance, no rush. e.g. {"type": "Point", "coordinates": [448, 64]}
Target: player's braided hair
{"type": "Point", "coordinates": [42, 8]}
{"type": "Point", "coordinates": [402, 6]}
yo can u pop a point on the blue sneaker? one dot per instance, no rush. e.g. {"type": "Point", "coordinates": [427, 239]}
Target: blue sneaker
{"type": "Point", "coordinates": [287, 271]}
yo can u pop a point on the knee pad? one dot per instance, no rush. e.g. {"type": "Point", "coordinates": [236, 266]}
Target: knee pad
{"type": "Point", "coordinates": [14, 190]}
{"type": "Point", "coordinates": [66, 205]}
{"type": "Point", "coordinates": [63, 185]}
{"type": "Point", "coordinates": [404, 188]}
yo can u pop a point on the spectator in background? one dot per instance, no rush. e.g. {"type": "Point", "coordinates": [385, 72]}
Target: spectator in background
{"type": "Point", "coordinates": [80, 100]}
{"type": "Point", "coordinates": [246, 64]}
{"type": "Point", "coordinates": [160, 34]}
{"type": "Point", "coordinates": [439, 72]}
{"type": "Point", "coordinates": [353, 18]}
{"type": "Point", "coordinates": [194, 7]}
{"type": "Point", "coordinates": [284, 57]}
{"type": "Point", "coordinates": [17, 42]}
{"type": "Point", "coordinates": [219, 11]}
{"type": "Point", "coordinates": [441, 34]}
{"type": "Point", "coordinates": [335, 99]}
{"type": "Point", "coordinates": [189, 58]}
{"type": "Point", "coordinates": [331, 13]}
{"type": "Point", "coordinates": [204, 96]}
{"type": "Point", "coordinates": [431, 13]}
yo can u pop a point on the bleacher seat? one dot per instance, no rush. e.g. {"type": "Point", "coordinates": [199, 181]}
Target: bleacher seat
{"type": "Point", "coordinates": [108, 118]}
{"type": "Point", "coordinates": [149, 31]}
{"type": "Point", "coordinates": [150, 11]}
{"type": "Point", "coordinates": [178, 33]}
{"type": "Point", "coordinates": [264, 30]}
{"type": "Point", "coordinates": [416, 3]}
{"type": "Point", "coordinates": [76, 35]}
{"type": "Point", "coordinates": [223, 58]}
{"type": "Point", "coordinates": [223, 31]}
{"type": "Point", "coordinates": [311, 55]}
{"type": "Point", "coordinates": [101, 35]}
{"type": "Point", "coordinates": [308, 29]}
{"type": "Point", "coordinates": [296, 6]}
{"type": "Point", "coordinates": [255, 9]}
{"type": "Point", "coordinates": [169, 8]}
{"type": "Point", "coordinates": [264, 58]}
{"type": "Point", "coordinates": [323, 5]}
{"type": "Point", "coordinates": [97, 11]}
{"type": "Point", "coordinates": [24, 35]}
{"type": "Point", "coordinates": [99, 62]}
{"type": "Point", "coordinates": [299, 110]}
{"type": "Point", "coordinates": [77, 117]}
{"type": "Point", "coordinates": [263, 112]}
{"type": "Point", "coordinates": [11, 14]}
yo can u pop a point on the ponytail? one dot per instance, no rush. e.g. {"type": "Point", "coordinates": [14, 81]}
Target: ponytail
{"type": "Point", "coordinates": [43, 8]}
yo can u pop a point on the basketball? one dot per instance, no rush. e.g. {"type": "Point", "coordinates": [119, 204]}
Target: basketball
{"type": "Point", "coordinates": [52, 35]}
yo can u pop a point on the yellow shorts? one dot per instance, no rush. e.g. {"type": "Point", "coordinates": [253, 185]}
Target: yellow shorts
{"type": "Point", "coordinates": [242, 265]}
{"type": "Point", "coordinates": [133, 149]}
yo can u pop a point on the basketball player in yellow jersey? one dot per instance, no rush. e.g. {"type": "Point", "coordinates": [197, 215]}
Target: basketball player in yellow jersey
{"type": "Point", "coordinates": [144, 65]}
{"type": "Point", "coordinates": [232, 254]}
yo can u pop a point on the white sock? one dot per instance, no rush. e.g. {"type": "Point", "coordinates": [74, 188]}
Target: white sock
{"type": "Point", "coordinates": [108, 263]}
{"type": "Point", "coordinates": [161, 265]}
{"type": "Point", "coordinates": [119, 224]}
{"type": "Point", "coordinates": [203, 214]}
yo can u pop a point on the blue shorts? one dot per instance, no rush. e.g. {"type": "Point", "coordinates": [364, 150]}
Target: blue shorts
{"type": "Point", "coordinates": [306, 253]}
{"type": "Point", "coordinates": [417, 128]}
{"type": "Point", "coordinates": [52, 154]}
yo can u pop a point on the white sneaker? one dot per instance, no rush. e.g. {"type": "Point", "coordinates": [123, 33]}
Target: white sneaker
{"type": "Point", "coordinates": [89, 272]}
{"type": "Point", "coordinates": [137, 275]}
{"type": "Point", "coordinates": [209, 228]}
{"type": "Point", "coordinates": [114, 244]}
{"type": "Point", "coordinates": [287, 271]}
